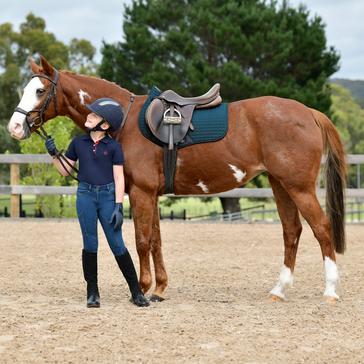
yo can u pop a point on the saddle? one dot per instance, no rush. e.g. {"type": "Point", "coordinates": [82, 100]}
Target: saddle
{"type": "Point", "coordinates": [169, 115]}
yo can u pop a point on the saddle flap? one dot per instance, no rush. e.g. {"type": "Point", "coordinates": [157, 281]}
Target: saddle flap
{"type": "Point", "coordinates": [154, 116]}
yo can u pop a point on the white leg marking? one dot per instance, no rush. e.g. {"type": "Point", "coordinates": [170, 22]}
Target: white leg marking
{"type": "Point", "coordinates": [332, 277]}
{"type": "Point", "coordinates": [238, 173]}
{"type": "Point", "coordinates": [285, 280]}
{"type": "Point", "coordinates": [203, 186]}
{"type": "Point", "coordinates": [82, 94]}
{"type": "Point", "coordinates": [28, 102]}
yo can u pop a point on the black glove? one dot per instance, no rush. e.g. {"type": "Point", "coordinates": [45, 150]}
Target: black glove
{"type": "Point", "coordinates": [51, 146]}
{"type": "Point", "coordinates": [117, 215]}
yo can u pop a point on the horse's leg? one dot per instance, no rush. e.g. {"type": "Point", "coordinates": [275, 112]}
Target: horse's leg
{"type": "Point", "coordinates": [142, 204]}
{"type": "Point", "coordinates": [159, 268]}
{"type": "Point", "coordinates": [292, 229]}
{"type": "Point", "coordinates": [308, 204]}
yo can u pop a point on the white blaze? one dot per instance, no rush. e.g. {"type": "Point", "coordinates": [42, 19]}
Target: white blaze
{"type": "Point", "coordinates": [28, 102]}
{"type": "Point", "coordinates": [238, 173]}
{"type": "Point", "coordinates": [202, 186]}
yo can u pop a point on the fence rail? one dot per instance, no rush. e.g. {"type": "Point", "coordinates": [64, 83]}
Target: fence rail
{"type": "Point", "coordinates": [15, 190]}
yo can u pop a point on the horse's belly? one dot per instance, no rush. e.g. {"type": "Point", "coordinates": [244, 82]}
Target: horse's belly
{"type": "Point", "coordinates": [206, 173]}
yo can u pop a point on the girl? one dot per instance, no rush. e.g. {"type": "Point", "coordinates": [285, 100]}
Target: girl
{"type": "Point", "coordinates": [100, 194]}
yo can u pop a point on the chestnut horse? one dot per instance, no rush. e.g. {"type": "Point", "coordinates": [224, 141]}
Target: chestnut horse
{"type": "Point", "coordinates": [281, 137]}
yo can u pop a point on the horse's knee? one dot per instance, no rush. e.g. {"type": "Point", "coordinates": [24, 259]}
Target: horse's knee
{"type": "Point", "coordinates": [293, 233]}
{"type": "Point", "coordinates": [322, 231]}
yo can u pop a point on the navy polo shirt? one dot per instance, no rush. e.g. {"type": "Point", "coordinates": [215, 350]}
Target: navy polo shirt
{"type": "Point", "coordinates": [96, 160]}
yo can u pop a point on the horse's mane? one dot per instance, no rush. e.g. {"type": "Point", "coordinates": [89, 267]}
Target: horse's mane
{"type": "Point", "coordinates": [71, 73]}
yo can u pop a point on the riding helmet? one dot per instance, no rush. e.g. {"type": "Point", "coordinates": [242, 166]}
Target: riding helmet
{"type": "Point", "coordinates": [109, 109]}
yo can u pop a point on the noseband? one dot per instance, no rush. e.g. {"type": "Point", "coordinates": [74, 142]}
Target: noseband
{"type": "Point", "coordinates": [38, 120]}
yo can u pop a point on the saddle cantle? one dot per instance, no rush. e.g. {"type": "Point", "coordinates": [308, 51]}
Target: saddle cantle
{"type": "Point", "coordinates": [169, 115]}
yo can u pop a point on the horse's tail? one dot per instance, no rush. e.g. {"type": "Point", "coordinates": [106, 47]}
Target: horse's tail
{"type": "Point", "coordinates": [335, 175]}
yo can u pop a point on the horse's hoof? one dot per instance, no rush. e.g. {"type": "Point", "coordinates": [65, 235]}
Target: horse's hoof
{"type": "Point", "coordinates": [155, 298]}
{"type": "Point", "coordinates": [331, 300]}
{"type": "Point", "coordinates": [274, 298]}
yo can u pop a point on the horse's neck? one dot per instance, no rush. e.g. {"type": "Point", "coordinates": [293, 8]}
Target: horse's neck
{"type": "Point", "coordinates": [79, 90]}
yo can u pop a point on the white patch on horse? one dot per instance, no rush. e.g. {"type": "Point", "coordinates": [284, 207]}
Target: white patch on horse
{"type": "Point", "coordinates": [28, 102]}
{"type": "Point", "coordinates": [203, 186]}
{"type": "Point", "coordinates": [332, 277]}
{"type": "Point", "coordinates": [179, 162]}
{"type": "Point", "coordinates": [273, 110]}
{"type": "Point", "coordinates": [285, 280]}
{"type": "Point", "coordinates": [82, 94]}
{"type": "Point", "coordinates": [238, 173]}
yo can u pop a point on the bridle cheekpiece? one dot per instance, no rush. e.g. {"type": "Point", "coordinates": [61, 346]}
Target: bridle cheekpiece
{"type": "Point", "coordinates": [38, 120]}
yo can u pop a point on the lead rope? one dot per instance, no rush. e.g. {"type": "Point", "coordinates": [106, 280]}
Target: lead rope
{"type": "Point", "coordinates": [59, 155]}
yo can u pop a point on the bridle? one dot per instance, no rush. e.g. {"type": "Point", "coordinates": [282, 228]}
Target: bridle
{"type": "Point", "coordinates": [38, 120]}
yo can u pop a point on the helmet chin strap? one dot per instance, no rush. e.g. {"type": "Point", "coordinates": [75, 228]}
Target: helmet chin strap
{"type": "Point", "coordinates": [97, 127]}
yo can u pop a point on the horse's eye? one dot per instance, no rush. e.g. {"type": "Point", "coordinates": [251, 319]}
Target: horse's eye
{"type": "Point", "coordinates": [40, 91]}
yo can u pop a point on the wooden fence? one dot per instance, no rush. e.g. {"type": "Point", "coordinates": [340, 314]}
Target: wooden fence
{"type": "Point", "coordinates": [15, 190]}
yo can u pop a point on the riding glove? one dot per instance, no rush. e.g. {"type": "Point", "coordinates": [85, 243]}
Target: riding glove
{"type": "Point", "coordinates": [117, 215]}
{"type": "Point", "coordinates": [51, 146]}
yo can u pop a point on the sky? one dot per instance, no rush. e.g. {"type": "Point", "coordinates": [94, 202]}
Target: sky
{"type": "Point", "coordinates": [97, 20]}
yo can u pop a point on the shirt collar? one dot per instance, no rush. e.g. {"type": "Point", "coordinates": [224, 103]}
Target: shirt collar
{"type": "Point", "coordinates": [105, 139]}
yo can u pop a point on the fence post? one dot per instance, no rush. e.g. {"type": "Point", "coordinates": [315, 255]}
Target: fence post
{"type": "Point", "coordinates": [14, 199]}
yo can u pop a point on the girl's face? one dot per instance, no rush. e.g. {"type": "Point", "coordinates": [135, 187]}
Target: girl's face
{"type": "Point", "coordinates": [93, 119]}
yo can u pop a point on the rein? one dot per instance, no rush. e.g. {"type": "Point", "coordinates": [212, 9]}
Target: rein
{"type": "Point", "coordinates": [38, 121]}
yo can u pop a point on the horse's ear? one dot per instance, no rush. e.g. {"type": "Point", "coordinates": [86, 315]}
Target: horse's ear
{"type": "Point", "coordinates": [46, 66]}
{"type": "Point", "coordinates": [34, 67]}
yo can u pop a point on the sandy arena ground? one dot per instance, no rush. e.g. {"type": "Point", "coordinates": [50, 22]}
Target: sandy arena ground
{"type": "Point", "coordinates": [217, 307]}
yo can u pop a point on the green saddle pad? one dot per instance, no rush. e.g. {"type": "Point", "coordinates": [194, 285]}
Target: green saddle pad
{"type": "Point", "coordinates": [209, 125]}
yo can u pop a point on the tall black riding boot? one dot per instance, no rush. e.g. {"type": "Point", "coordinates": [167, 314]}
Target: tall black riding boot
{"type": "Point", "coordinates": [89, 264]}
{"type": "Point", "coordinates": [126, 266]}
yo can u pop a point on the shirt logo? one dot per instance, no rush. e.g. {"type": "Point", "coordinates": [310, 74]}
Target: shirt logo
{"type": "Point", "coordinates": [105, 152]}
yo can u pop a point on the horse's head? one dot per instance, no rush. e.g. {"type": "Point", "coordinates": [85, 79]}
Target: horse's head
{"type": "Point", "coordinates": [39, 101]}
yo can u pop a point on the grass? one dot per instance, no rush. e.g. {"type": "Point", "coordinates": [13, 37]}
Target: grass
{"type": "Point", "coordinates": [194, 206]}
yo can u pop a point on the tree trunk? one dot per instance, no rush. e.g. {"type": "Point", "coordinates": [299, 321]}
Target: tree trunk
{"type": "Point", "coordinates": [230, 204]}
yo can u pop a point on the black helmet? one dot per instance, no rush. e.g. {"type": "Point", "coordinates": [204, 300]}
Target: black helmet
{"type": "Point", "coordinates": [109, 109]}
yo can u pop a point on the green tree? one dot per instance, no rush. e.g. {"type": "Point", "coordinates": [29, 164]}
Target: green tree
{"type": "Point", "coordinates": [45, 174]}
{"type": "Point", "coordinates": [82, 53]}
{"type": "Point", "coordinates": [348, 117]}
{"type": "Point", "coordinates": [252, 47]}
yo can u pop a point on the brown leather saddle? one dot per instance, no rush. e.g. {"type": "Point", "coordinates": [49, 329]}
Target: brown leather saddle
{"type": "Point", "coordinates": [169, 115]}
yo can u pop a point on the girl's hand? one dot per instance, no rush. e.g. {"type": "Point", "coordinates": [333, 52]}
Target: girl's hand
{"type": "Point", "coordinates": [117, 216]}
